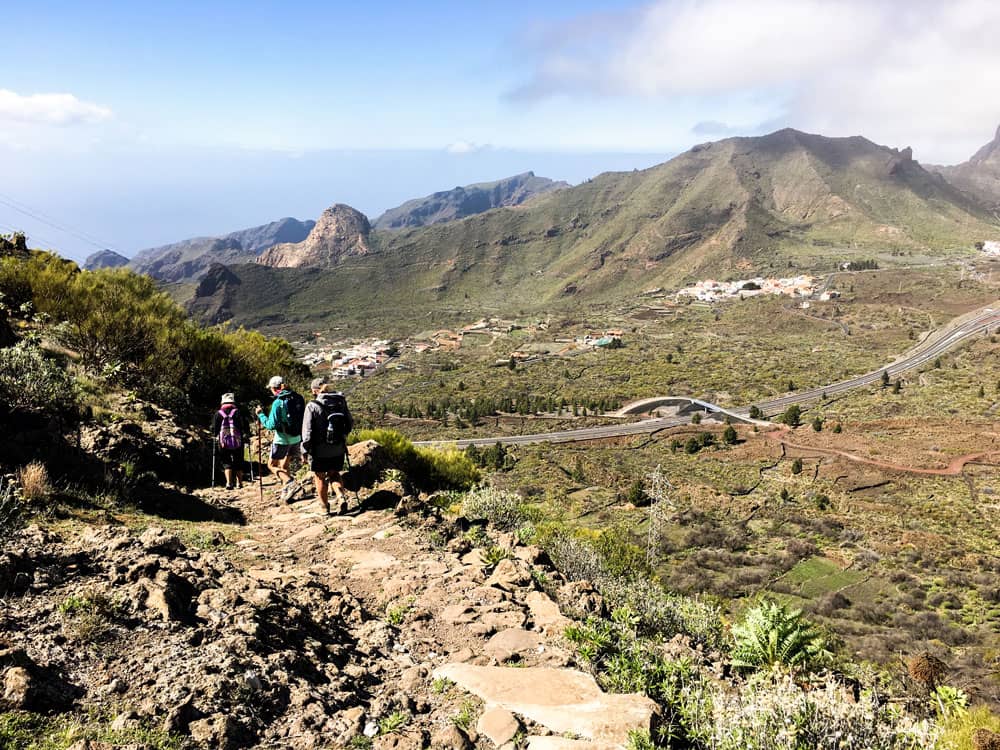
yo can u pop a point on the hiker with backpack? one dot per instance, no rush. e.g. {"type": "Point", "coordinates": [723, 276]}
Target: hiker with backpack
{"type": "Point", "coordinates": [231, 430]}
{"type": "Point", "coordinates": [285, 420]}
{"type": "Point", "coordinates": [325, 428]}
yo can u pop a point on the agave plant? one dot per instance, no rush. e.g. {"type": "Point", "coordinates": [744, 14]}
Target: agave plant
{"type": "Point", "coordinates": [772, 635]}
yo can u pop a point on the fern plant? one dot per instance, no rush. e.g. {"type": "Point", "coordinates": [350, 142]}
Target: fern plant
{"type": "Point", "coordinates": [772, 635]}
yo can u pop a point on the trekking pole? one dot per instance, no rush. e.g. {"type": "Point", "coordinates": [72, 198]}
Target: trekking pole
{"type": "Point", "coordinates": [260, 462]}
{"type": "Point", "coordinates": [213, 462]}
{"type": "Point", "coordinates": [347, 458]}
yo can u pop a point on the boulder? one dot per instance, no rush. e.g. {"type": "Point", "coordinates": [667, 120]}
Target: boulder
{"type": "Point", "coordinates": [450, 738]}
{"type": "Point", "coordinates": [368, 461]}
{"type": "Point", "coordinates": [510, 643]}
{"type": "Point", "coordinates": [498, 724]}
{"type": "Point", "coordinates": [28, 686]}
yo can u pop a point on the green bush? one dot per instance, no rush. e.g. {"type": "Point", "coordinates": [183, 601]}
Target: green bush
{"type": "Point", "coordinates": [957, 729]}
{"type": "Point", "coordinates": [501, 508]}
{"type": "Point", "coordinates": [426, 468]}
{"type": "Point", "coordinates": [31, 380]}
{"type": "Point", "coordinates": [771, 635]}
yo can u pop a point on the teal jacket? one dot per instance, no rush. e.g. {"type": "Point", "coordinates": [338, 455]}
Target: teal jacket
{"type": "Point", "coordinates": [277, 417]}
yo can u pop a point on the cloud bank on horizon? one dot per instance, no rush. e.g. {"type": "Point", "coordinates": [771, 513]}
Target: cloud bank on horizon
{"type": "Point", "coordinates": [920, 73]}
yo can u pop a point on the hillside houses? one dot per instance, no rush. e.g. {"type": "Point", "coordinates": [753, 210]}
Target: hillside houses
{"type": "Point", "coordinates": [710, 290]}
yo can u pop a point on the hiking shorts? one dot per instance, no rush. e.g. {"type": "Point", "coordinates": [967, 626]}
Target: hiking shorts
{"type": "Point", "coordinates": [231, 459]}
{"type": "Point", "coordinates": [279, 451]}
{"type": "Point", "coordinates": [326, 464]}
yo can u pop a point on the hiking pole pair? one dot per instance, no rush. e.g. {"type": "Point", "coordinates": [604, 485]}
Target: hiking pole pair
{"type": "Point", "coordinates": [213, 462]}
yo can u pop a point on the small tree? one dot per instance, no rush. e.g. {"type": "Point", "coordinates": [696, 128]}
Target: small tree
{"type": "Point", "coordinates": [797, 466]}
{"type": "Point", "coordinates": [982, 392]}
{"type": "Point", "coordinates": [897, 386]}
{"type": "Point", "coordinates": [729, 436]}
{"type": "Point", "coordinates": [885, 378]}
{"type": "Point", "coordinates": [837, 429]}
{"type": "Point", "coordinates": [792, 416]}
{"type": "Point", "coordinates": [756, 413]}
{"type": "Point", "coordinates": [696, 418]}
{"type": "Point", "coordinates": [817, 424]}
{"type": "Point", "coordinates": [692, 446]}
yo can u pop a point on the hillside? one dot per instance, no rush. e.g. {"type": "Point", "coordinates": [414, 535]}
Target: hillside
{"type": "Point", "coordinates": [721, 209]}
{"type": "Point", "coordinates": [188, 259]}
{"type": "Point", "coordinates": [980, 175]}
{"type": "Point", "coordinates": [459, 202]}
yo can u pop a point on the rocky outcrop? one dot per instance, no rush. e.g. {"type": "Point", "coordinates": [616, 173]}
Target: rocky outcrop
{"type": "Point", "coordinates": [15, 244]}
{"type": "Point", "coordinates": [339, 233]}
{"type": "Point", "coordinates": [213, 297]}
{"type": "Point", "coordinates": [105, 259]}
{"type": "Point", "coordinates": [460, 202]}
{"type": "Point", "coordinates": [189, 259]}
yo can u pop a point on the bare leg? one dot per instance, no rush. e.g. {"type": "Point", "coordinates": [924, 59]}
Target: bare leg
{"type": "Point", "coordinates": [229, 476]}
{"type": "Point", "coordinates": [322, 489]}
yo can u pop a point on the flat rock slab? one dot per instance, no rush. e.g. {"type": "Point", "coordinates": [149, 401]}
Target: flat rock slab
{"type": "Point", "coordinates": [498, 724]}
{"type": "Point", "coordinates": [365, 560]}
{"type": "Point", "coordinates": [310, 532]}
{"type": "Point", "coordinates": [563, 700]}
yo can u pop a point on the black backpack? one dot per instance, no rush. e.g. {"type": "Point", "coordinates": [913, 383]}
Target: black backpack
{"type": "Point", "coordinates": [295, 410]}
{"type": "Point", "coordinates": [338, 419]}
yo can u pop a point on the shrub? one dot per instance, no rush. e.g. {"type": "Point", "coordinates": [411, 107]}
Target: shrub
{"type": "Point", "coordinates": [957, 729]}
{"type": "Point", "coordinates": [772, 635]}
{"type": "Point", "coordinates": [501, 508]}
{"type": "Point", "coordinates": [426, 468]}
{"type": "Point", "coordinates": [31, 380]}
{"type": "Point", "coordinates": [772, 712]}
{"type": "Point", "coordinates": [34, 481]}
{"type": "Point", "coordinates": [729, 436]}
{"type": "Point", "coordinates": [792, 416]}
{"type": "Point", "coordinates": [11, 509]}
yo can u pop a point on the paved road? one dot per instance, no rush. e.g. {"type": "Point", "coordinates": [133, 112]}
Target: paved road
{"type": "Point", "coordinates": [952, 335]}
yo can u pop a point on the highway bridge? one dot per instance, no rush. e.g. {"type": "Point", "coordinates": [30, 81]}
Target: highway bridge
{"type": "Point", "coordinates": [949, 337]}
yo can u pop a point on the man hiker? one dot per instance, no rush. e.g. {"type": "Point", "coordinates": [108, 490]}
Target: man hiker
{"type": "Point", "coordinates": [325, 428]}
{"type": "Point", "coordinates": [231, 430]}
{"type": "Point", "coordinates": [285, 420]}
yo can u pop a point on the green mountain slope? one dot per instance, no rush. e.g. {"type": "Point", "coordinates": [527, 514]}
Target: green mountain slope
{"type": "Point", "coordinates": [721, 209]}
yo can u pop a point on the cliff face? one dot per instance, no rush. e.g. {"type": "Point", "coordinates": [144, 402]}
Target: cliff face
{"type": "Point", "coordinates": [460, 202]}
{"type": "Point", "coordinates": [189, 259]}
{"type": "Point", "coordinates": [340, 232]}
{"type": "Point", "coordinates": [980, 175]}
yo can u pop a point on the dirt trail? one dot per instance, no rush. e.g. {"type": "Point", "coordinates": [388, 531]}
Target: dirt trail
{"type": "Point", "coordinates": [434, 608]}
{"type": "Point", "coordinates": [954, 467]}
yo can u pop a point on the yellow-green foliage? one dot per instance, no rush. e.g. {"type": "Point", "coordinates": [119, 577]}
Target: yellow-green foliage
{"type": "Point", "coordinates": [129, 332]}
{"type": "Point", "coordinates": [427, 468]}
{"type": "Point", "coordinates": [957, 730]}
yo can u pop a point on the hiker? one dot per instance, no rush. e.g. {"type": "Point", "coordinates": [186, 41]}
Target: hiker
{"type": "Point", "coordinates": [231, 430]}
{"type": "Point", "coordinates": [285, 420]}
{"type": "Point", "coordinates": [325, 428]}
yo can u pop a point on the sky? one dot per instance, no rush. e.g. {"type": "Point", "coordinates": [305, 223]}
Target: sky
{"type": "Point", "coordinates": [127, 125]}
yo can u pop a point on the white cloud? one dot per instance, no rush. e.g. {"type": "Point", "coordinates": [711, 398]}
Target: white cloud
{"type": "Point", "coordinates": [49, 109]}
{"type": "Point", "coordinates": [919, 73]}
{"type": "Point", "coordinates": [466, 147]}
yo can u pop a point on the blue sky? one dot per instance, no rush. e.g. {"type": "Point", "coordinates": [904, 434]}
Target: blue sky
{"type": "Point", "coordinates": [135, 124]}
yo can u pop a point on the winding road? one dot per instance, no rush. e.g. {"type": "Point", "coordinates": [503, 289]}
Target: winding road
{"type": "Point", "coordinates": [950, 336]}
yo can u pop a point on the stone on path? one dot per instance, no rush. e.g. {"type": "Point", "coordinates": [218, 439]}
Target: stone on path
{"type": "Point", "coordinates": [309, 532]}
{"type": "Point", "coordinates": [545, 613]}
{"type": "Point", "coordinates": [512, 642]}
{"type": "Point", "coordinates": [498, 724]}
{"type": "Point", "coordinates": [563, 700]}
{"type": "Point", "coordinates": [364, 560]}
{"type": "Point", "coordinates": [561, 743]}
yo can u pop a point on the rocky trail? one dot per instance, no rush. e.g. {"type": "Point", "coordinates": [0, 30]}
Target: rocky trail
{"type": "Point", "coordinates": [382, 628]}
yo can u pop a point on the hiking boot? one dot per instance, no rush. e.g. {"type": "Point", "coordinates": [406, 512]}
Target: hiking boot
{"type": "Point", "coordinates": [229, 486]}
{"type": "Point", "coordinates": [342, 510]}
{"type": "Point", "coordinates": [289, 491]}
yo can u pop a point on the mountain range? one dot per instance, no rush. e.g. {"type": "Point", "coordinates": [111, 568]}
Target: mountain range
{"type": "Point", "coordinates": [980, 175]}
{"type": "Point", "coordinates": [735, 207]}
{"type": "Point", "coordinates": [460, 202]}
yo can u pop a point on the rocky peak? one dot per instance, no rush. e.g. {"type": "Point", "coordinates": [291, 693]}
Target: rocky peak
{"type": "Point", "coordinates": [104, 259]}
{"type": "Point", "coordinates": [340, 232]}
{"type": "Point", "coordinates": [988, 153]}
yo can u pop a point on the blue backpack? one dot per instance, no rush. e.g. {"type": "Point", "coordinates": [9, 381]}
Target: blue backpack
{"type": "Point", "coordinates": [292, 414]}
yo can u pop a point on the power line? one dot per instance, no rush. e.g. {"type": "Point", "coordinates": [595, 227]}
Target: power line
{"type": "Point", "coordinates": [36, 237]}
{"type": "Point", "coordinates": [27, 210]}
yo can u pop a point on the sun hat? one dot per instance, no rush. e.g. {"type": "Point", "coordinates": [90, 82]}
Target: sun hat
{"type": "Point", "coordinates": [317, 383]}
{"type": "Point", "coordinates": [276, 382]}
{"type": "Point", "coordinates": [228, 398]}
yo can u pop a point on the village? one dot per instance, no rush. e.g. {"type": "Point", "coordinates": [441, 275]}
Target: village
{"type": "Point", "coordinates": [709, 290]}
